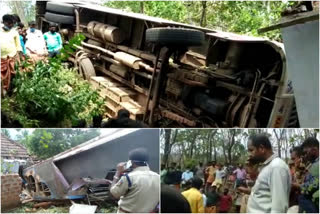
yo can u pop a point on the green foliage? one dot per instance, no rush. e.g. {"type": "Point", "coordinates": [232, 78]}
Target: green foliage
{"type": "Point", "coordinates": [243, 17]}
{"type": "Point", "coordinates": [225, 145]}
{"type": "Point", "coordinates": [47, 143]}
{"type": "Point", "coordinates": [52, 95]}
{"type": "Point", "coordinates": [6, 133]}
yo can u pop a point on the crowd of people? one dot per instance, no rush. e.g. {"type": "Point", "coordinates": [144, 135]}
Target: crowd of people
{"type": "Point", "coordinates": [18, 42]}
{"type": "Point", "coordinates": [265, 183]}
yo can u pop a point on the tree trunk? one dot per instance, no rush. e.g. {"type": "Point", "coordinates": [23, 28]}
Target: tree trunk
{"type": "Point", "coordinates": [193, 141]}
{"type": "Point", "coordinates": [167, 133]}
{"type": "Point", "coordinates": [141, 7]}
{"type": "Point", "coordinates": [203, 14]}
{"type": "Point", "coordinates": [17, 7]}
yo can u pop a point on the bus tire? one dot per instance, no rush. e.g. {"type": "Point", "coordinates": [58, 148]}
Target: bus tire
{"type": "Point", "coordinates": [57, 18]}
{"type": "Point", "coordinates": [175, 36]}
{"type": "Point", "coordinates": [61, 8]}
{"type": "Point", "coordinates": [87, 69]}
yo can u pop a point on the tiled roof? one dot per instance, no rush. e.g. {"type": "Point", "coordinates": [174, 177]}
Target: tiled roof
{"type": "Point", "coordinates": [12, 149]}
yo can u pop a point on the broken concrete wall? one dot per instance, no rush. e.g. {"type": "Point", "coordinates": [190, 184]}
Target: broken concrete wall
{"type": "Point", "coordinates": [10, 191]}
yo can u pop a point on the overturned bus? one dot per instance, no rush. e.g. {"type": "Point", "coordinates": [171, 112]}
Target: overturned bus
{"type": "Point", "coordinates": [86, 171]}
{"type": "Point", "coordinates": [171, 74]}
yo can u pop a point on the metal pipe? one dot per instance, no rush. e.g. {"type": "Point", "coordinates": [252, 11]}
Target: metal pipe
{"type": "Point", "coordinates": [148, 76]}
{"type": "Point", "coordinates": [150, 87]}
{"type": "Point", "coordinates": [108, 59]}
{"type": "Point", "coordinates": [98, 48]}
{"type": "Point", "coordinates": [138, 53]}
{"type": "Point", "coordinates": [165, 62]}
{"type": "Point", "coordinates": [77, 21]}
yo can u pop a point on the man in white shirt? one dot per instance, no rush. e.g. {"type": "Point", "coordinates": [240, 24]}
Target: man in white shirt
{"type": "Point", "coordinates": [35, 44]}
{"type": "Point", "coordinates": [270, 194]}
{"type": "Point", "coordinates": [137, 187]}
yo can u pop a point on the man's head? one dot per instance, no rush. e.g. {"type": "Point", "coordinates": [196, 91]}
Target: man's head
{"type": "Point", "coordinates": [219, 166]}
{"type": "Point", "coordinates": [252, 169]}
{"type": "Point", "coordinates": [52, 27]}
{"type": "Point", "coordinates": [240, 166]}
{"type": "Point", "coordinates": [16, 18]}
{"type": "Point", "coordinates": [32, 26]}
{"type": "Point", "coordinates": [196, 182]}
{"type": "Point", "coordinates": [123, 113]}
{"type": "Point", "coordinates": [311, 148]}
{"type": "Point", "coordinates": [296, 153]}
{"type": "Point", "coordinates": [20, 28]}
{"type": "Point", "coordinates": [213, 163]}
{"type": "Point", "coordinates": [200, 164]}
{"type": "Point", "coordinates": [139, 157]}
{"type": "Point", "coordinates": [213, 188]}
{"type": "Point", "coordinates": [225, 191]}
{"type": "Point", "coordinates": [259, 148]}
{"type": "Point", "coordinates": [8, 22]}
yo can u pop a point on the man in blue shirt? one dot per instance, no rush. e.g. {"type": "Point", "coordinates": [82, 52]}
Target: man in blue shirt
{"type": "Point", "coordinates": [53, 40]}
{"type": "Point", "coordinates": [187, 175]}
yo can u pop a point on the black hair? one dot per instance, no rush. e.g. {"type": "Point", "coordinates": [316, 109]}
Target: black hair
{"type": "Point", "coordinates": [52, 24]}
{"type": "Point", "coordinates": [123, 113]}
{"type": "Point", "coordinates": [31, 23]}
{"type": "Point", "coordinates": [172, 201]}
{"type": "Point", "coordinates": [310, 142]}
{"type": "Point", "coordinates": [260, 140]}
{"type": "Point", "coordinates": [8, 18]}
{"type": "Point", "coordinates": [196, 182]}
{"type": "Point", "coordinates": [16, 18]}
{"type": "Point", "coordinates": [20, 25]}
{"type": "Point", "coordinates": [298, 150]}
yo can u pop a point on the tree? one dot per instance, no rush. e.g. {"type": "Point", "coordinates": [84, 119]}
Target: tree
{"type": "Point", "coordinates": [170, 140]}
{"type": "Point", "coordinates": [203, 14]}
{"type": "Point", "coordinates": [244, 17]}
{"type": "Point", "coordinates": [45, 143]}
{"type": "Point", "coordinates": [6, 133]}
{"type": "Point", "coordinates": [24, 9]}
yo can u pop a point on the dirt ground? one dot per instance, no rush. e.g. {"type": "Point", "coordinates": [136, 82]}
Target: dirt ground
{"type": "Point", "coordinates": [28, 208]}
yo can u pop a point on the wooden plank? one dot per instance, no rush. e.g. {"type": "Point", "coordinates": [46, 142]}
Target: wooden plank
{"type": "Point", "coordinates": [294, 19]}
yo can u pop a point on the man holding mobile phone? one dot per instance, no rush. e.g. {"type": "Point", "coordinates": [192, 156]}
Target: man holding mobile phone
{"type": "Point", "coordinates": [137, 187]}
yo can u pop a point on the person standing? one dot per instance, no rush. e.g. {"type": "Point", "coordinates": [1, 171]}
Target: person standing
{"type": "Point", "coordinates": [241, 174]}
{"type": "Point", "coordinates": [212, 200]}
{"type": "Point", "coordinates": [270, 194]}
{"type": "Point", "coordinates": [225, 202]}
{"type": "Point", "coordinates": [53, 40]}
{"type": "Point", "coordinates": [163, 173]}
{"type": "Point", "coordinates": [20, 29]}
{"type": "Point", "coordinates": [200, 171]}
{"type": "Point", "coordinates": [10, 51]}
{"type": "Point", "coordinates": [194, 196]}
{"type": "Point", "coordinates": [186, 175]}
{"type": "Point", "coordinates": [219, 174]}
{"type": "Point", "coordinates": [135, 185]}
{"type": "Point", "coordinates": [211, 171]}
{"type": "Point", "coordinates": [35, 44]}
{"type": "Point", "coordinates": [309, 198]}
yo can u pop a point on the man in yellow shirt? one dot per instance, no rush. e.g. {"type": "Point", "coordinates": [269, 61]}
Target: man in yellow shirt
{"type": "Point", "coordinates": [194, 196]}
{"type": "Point", "coordinates": [10, 47]}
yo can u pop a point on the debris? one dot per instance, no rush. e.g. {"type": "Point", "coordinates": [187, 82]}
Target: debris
{"type": "Point", "coordinates": [44, 205]}
{"type": "Point", "coordinates": [81, 208]}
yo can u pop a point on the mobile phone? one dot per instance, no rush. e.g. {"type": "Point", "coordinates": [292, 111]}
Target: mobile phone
{"type": "Point", "coordinates": [128, 165]}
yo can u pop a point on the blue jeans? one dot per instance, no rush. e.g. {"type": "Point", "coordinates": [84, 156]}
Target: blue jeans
{"type": "Point", "coordinates": [53, 53]}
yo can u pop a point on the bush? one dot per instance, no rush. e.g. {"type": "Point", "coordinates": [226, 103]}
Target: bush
{"type": "Point", "coordinates": [52, 95]}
